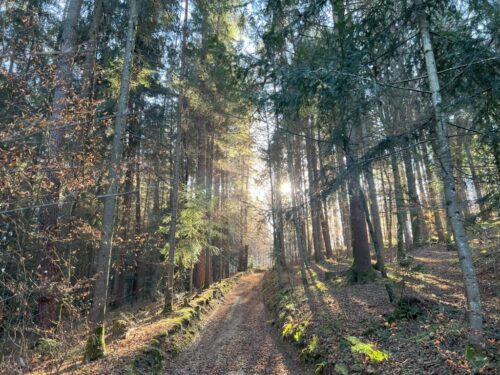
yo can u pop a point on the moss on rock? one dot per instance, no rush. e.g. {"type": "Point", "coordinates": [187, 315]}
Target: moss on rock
{"type": "Point", "coordinates": [356, 276]}
{"type": "Point", "coordinates": [96, 345]}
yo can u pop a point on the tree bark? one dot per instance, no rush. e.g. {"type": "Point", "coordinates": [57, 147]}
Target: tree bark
{"type": "Point", "coordinates": [49, 271]}
{"type": "Point", "coordinates": [400, 208]}
{"type": "Point", "coordinates": [362, 268]}
{"type": "Point", "coordinates": [464, 254]}
{"type": "Point", "coordinates": [434, 200]}
{"type": "Point", "coordinates": [344, 208]}
{"type": "Point", "coordinates": [378, 239]}
{"type": "Point", "coordinates": [415, 208]}
{"type": "Point", "coordinates": [325, 222]}
{"type": "Point", "coordinates": [475, 178]}
{"type": "Point", "coordinates": [314, 199]}
{"type": "Point", "coordinates": [88, 76]}
{"type": "Point", "coordinates": [299, 233]}
{"type": "Point", "coordinates": [174, 193]}
{"type": "Point", "coordinates": [100, 295]}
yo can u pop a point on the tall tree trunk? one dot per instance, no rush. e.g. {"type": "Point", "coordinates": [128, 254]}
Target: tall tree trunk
{"type": "Point", "coordinates": [434, 200]}
{"type": "Point", "coordinates": [475, 178]}
{"type": "Point", "coordinates": [378, 239]}
{"type": "Point", "coordinates": [96, 347]}
{"type": "Point", "coordinates": [362, 270]}
{"type": "Point", "coordinates": [174, 192]}
{"type": "Point", "coordinates": [344, 207]}
{"type": "Point", "coordinates": [299, 233]}
{"type": "Point", "coordinates": [137, 285]}
{"type": "Point", "coordinates": [423, 194]}
{"type": "Point", "coordinates": [387, 194]}
{"type": "Point", "coordinates": [88, 76]}
{"type": "Point", "coordinates": [415, 208]}
{"type": "Point", "coordinates": [49, 271]}
{"type": "Point", "coordinates": [314, 199]}
{"type": "Point", "coordinates": [119, 289]}
{"type": "Point", "coordinates": [325, 223]}
{"type": "Point", "coordinates": [277, 236]}
{"type": "Point", "coordinates": [201, 183]}
{"type": "Point", "coordinates": [378, 253]}
{"type": "Point", "coordinates": [302, 200]}
{"type": "Point", "coordinates": [325, 228]}
{"type": "Point", "coordinates": [400, 207]}
{"type": "Point", "coordinates": [209, 173]}
{"type": "Point", "coordinates": [279, 206]}
{"type": "Point", "coordinates": [464, 254]}
{"type": "Point", "coordinates": [460, 184]}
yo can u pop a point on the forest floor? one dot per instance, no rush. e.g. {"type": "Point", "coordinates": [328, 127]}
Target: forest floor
{"type": "Point", "coordinates": [237, 339]}
{"type": "Point", "coordinates": [338, 327]}
{"type": "Point", "coordinates": [344, 328]}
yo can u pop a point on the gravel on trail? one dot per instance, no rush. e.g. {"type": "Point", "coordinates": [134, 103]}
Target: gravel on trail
{"type": "Point", "coordinates": [237, 339]}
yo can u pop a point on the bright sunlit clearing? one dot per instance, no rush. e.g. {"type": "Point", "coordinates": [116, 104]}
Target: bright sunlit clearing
{"type": "Point", "coordinates": [286, 188]}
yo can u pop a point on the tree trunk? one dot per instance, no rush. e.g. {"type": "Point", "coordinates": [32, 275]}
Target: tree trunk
{"type": "Point", "coordinates": [201, 183]}
{"type": "Point", "coordinates": [299, 233]}
{"type": "Point", "coordinates": [314, 199]}
{"type": "Point", "coordinates": [119, 289]}
{"type": "Point", "coordinates": [88, 77]}
{"type": "Point", "coordinates": [137, 285]}
{"type": "Point", "coordinates": [416, 214]}
{"type": "Point", "coordinates": [279, 208]}
{"type": "Point", "coordinates": [325, 223]}
{"type": "Point", "coordinates": [209, 180]}
{"type": "Point", "coordinates": [49, 271]}
{"type": "Point", "coordinates": [400, 208]}
{"type": "Point", "coordinates": [387, 194]}
{"type": "Point", "coordinates": [434, 200]}
{"type": "Point", "coordinates": [362, 270]}
{"type": "Point", "coordinates": [174, 201]}
{"type": "Point", "coordinates": [276, 209]}
{"type": "Point", "coordinates": [378, 239]}
{"type": "Point", "coordinates": [344, 208]}
{"type": "Point", "coordinates": [325, 228]}
{"type": "Point", "coordinates": [475, 178]}
{"type": "Point", "coordinates": [461, 185]}
{"type": "Point", "coordinates": [95, 347]}
{"type": "Point", "coordinates": [464, 254]}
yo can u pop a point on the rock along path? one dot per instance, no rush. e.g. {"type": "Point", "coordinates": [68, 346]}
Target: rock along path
{"type": "Point", "coordinates": [237, 339]}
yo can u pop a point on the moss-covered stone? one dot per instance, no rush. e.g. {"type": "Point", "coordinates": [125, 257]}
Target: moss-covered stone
{"type": "Point", "coordinates": [356, 276]}
{"type": "Point", "coordinates": [153, 356]}
{"type": "Point", "coordinates": [96, 345]}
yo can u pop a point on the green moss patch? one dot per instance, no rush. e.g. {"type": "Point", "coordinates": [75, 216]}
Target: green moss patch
{"type": "Point", "coordinates": [367, 349]}
{"type": "Point", "coordinates": [96, 345]}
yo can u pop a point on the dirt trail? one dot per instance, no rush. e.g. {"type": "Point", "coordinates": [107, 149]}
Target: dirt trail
{"type": "Point", "coordinates": [237, 339]}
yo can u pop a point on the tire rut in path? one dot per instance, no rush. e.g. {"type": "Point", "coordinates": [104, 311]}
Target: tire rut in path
{"type": "Point", "coordinates": [236, 339]}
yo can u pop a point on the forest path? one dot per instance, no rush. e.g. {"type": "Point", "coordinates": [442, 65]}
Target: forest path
{"type": "Point", "coordinates": [237, 339]}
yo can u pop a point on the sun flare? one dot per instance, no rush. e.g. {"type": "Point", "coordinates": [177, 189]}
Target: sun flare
{"type": "Point", "coordinates": [286, 188]}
